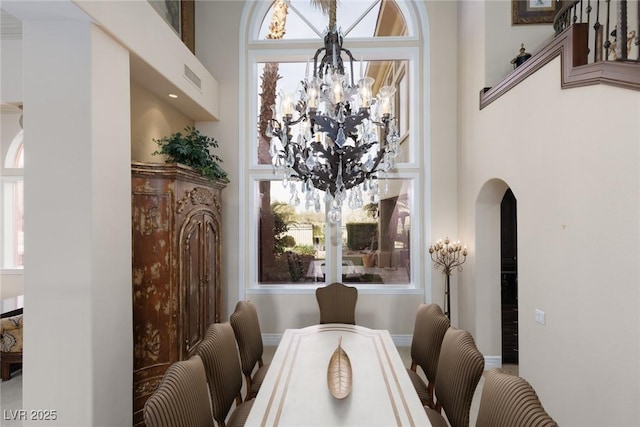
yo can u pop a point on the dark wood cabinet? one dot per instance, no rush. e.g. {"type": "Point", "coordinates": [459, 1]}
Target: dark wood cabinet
{"type": "Point", "coordinates": [176, 226]}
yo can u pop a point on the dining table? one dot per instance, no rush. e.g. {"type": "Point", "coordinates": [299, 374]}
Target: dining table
{"type": "Point", "coordinates": [296, 393]}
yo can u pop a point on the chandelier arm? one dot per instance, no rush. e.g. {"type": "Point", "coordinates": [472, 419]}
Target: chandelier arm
{"type": "Point", "coordinates": [348, 52]}
{"type": "Point", "coordinates": [315, 62]}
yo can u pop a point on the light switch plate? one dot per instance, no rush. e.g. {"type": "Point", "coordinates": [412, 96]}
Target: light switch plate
{"type": "Point", "coordinates": [540, 316]}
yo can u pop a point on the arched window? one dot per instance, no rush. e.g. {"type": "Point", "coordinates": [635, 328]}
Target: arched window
{"type": "Point", "coordinates": [12, 193]}
{"type": "Point", "coordinates": [292, 244]}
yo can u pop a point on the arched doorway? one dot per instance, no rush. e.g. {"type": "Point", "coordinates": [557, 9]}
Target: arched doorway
{"type": "Point", "coordinates": [496, 263]}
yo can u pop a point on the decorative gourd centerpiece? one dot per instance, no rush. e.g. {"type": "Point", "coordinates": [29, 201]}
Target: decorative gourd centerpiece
{"type": "Point", "coordinates": [339, 373]}
{"type": "Point", "coordinates": [193, 149]}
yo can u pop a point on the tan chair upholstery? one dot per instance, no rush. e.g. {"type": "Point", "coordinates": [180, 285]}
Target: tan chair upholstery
{"type": "Point", "coordinates": [182, 398]}
{"type": "Point", "coordinates": [460, 367]}
{"type": "Point", "coordinates": [430, 326]}
{"type": "Point", "coordinates": [10, 344]}
{"type": "Point", "coordinates": [337, 303]}
{"type": "Point", "coordinates": [246, 328]}
{"type": "Point", "coordinates": [219, 353]}
{"type": "Point", "coordinates": [510, 401]}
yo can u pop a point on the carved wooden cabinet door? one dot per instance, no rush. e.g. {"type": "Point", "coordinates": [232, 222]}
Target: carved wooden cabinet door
{"type": "Point", "coordinates": [200, 247]}
{"type": "Point", "coordinates": [176, 230]}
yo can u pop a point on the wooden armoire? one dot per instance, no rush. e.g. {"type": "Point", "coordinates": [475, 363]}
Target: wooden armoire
{"type": "Point", "coordinates": [176, 226]}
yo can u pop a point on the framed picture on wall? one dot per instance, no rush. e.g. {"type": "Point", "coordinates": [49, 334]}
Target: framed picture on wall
{"type": "Point", "coordinates": [533, 11]}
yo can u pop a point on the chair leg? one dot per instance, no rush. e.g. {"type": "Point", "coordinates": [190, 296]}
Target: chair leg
{"type": "Point", "coordinates": [6, 360]}
{"type": "Point", "coordinates": [6, 371]}
{"type": "Point", "coordinates": [248, 395]}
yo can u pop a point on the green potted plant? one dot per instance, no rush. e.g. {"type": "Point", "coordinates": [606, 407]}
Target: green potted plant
{"type": "Point", "coordinates": [193, 149]}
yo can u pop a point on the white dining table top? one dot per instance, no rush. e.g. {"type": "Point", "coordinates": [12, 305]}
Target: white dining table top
{"type": "Point", "coordinates": [295, 391]}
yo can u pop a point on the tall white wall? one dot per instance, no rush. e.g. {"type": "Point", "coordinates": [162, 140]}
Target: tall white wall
{"type": "Point", "coordinates": [78, 337]}
{"type": "Point", "coordinates": [571, 158]}
{"type": "Point", "coordinates": [503, 39]}
{"type": "Point", "coordinates": [152, 118]}
{"type": "Point", "coordinates": [217, 46]}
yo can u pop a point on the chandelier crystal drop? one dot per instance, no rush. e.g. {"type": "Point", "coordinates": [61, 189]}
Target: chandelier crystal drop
{"type": "Point", "coordinates": [345, 138]}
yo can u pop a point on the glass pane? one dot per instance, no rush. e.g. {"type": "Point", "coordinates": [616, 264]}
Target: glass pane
{"type": "Point", "coordinates": [13, 227]}
{"type": "Point", "coordinates": [291, 239]}
{"type": "Point", "coordinates": [356, 18]}
{"type": "Point", "coordinates": [284, 78]}
{"type": "Point", "coordinates": [375, 238]}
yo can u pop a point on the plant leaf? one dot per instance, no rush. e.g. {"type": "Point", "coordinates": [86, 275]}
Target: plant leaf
{"type": "Point", "coordinates": [339, 373]}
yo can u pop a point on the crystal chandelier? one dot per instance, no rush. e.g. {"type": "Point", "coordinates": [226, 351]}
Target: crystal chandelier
{"type": "Point", "coordinates": [346, 139]}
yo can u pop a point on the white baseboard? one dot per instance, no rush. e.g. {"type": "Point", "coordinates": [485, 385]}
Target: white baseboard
{"type": "Point", "coordinates": [271, 340]}
{"type": "Point", "coordinates": [491, 362]}
{"type": "Point", "coordinates": [401, 340]}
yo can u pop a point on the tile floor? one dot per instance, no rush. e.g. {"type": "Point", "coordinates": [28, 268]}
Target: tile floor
{"type": "Point", "coordinates": [11, 391]}
{"type": "Point", "coordinates": [11, 400]}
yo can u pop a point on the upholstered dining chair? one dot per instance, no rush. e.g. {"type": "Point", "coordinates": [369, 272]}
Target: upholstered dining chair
{"type": "Point", "coordinates": [182, 398]}
{"type": "Point", "coordinates": [428, 332]}
{"type": "Point", "coordinates": [219, 353]}
{"type": "Point", "coordinates": [337, 303]}
{"type": "Point", "coordinates": [510, 401]}
{"type": "Point", "coordinates": [246, 327]}
{"type": "Point", "coordinates": [460, 367]}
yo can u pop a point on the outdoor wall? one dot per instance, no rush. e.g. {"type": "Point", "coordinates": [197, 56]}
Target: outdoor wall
{"type": "Point", "coordinates": [571, 159]}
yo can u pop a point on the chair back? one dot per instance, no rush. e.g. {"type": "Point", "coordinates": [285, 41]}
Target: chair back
{"type": "Point", "coordinates": [430, 326]}
{"type": "Point", "coordinates": [337, 303]}
{"type": "Point", "coordinates": [510, 401]}
{"type": "Point", "coordinates": [221, 363]}
{"type": "Point", "coordinates": [182, 398]}
{"type": "Point", "coordinates": [460, 367]}
{"type": "Point", "coordinates": [246, 327]}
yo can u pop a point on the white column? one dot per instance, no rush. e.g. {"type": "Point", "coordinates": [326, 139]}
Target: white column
{"type": "Point", "coordinates": [78, 339]}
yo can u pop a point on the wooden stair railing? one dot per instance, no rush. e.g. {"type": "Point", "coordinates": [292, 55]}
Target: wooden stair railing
{"type": "Point", "coordinates": [571, 42]}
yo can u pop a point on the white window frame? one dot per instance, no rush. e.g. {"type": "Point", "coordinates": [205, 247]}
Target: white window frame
{"type": "Point", "coordinates": [404, 48]}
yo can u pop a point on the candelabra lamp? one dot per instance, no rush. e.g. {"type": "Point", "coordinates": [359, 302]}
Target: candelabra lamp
{"type": "Point", "coordinates": [448, 256]}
